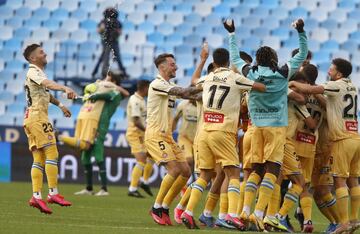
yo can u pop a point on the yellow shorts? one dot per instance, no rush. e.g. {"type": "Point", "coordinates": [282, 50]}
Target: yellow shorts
{"type": "Point", "coordinates": [307, 166]}
{"type": "Point", "coordinates": [136, 142]}
{"type": "Point", "coordinates": [86, 129]}
{"type": "Point", "coordinates": [305, 144]}
{"type": "Point", "coordinates": [267, 144]}
{"type": "Point", "coordinates": [186, 146]}
{"type": "Point", "coordinates": [346, 155]}
{"type": "Point", "coordinates": [217, 147]}
{"type": "Point", "coordinates": [247, 148]}
{"type": "Point", "coordinates": [196, 156]}
{"type": "Point", "coordinates": [291, 164]}
{"type": "Point", "coordinates": [39, 134]}
{"type": "Point", "coordinates": [162, 149]}
{"type": "Point", "coordinates": [322, 172]}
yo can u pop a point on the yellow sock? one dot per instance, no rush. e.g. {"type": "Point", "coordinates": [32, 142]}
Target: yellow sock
{"type": "Point", "coordinates": [148, 169]}
{"type": "Point", "coordinates": [196, 192]}
{"type": "Point", "coordinates": [211, 201]}
{"type": "Point", "coordinates": [265, 193]}
{"type": "Point", "coordinates": [290, 199]}
{"type": "Point", "coordinates": [250, 191]}
{"type": "Point", "coordinates": [224, 204]}
{"type": "Point", "coordinates": [51, 165]}
{"type": "Point", "coordinates": [165, 185]}
{"type": "Point", "coordinates": [306, 206]}
{"type": "Point", "coordinates": [355, 202]}
{"type": "Point", "coordinates": [331, 207]}
{"type": "Point", "coordinates": [37, 170]}
{"type": "Point", "coordinates": [135, 175]}
{"type": "Point", "coordinates": [174, 190]}
{"type": "Point", "coordinates": [185, 198]}
{"type": "Point", "coordinates": [241, 198]}
{"type": "Point", "coordinates": [274, 204]}
{"type": "Point", "coordinates": [233, 196]}
{"type": "Point", "coordinates": [73, 142]}
{"type": "Point", "coordinates": [326, 212]}
{"type": "Point", "coordinates": [342, 199]}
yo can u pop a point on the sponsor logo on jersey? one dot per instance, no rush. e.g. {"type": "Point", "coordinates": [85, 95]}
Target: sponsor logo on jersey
{"type": "Point", "coordinates": [351, 126]}
{"type": "Point", "coordinates": [213, 117]}
{"type": "Point", "coordinates": [305, 137]}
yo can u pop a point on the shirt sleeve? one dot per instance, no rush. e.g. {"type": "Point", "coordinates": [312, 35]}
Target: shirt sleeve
{"type": "Point", "coordinates": [331, 88]}
{"type": "Point", "coordinates": [296, 61]}
{"type": "Point", "coordinates": [36, 75]}
{"type": "Point", "coordinates": [234, 54]}
{"type": "Point", "coordinates": [180, 108]}
{"type": "Point", "coordinates": [243, 83]}
{"type": "Point", "coordinates": [301, 111]}
{"type": "Point", "coordinates": [135, 108]}
{"type": "Point", "coordinates": [162, 87]}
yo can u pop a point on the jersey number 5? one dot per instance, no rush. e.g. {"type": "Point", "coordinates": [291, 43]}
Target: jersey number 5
{"type": "Point", "coordinates": [351, 107]}
{"type": "Point", "coordinates": [225, 91]}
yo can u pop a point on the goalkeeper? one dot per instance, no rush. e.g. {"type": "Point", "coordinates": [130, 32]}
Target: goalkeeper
{"type": "Point", "coordinates": [101, 100]}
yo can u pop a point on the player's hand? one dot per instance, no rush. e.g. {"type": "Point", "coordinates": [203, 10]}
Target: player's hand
{"type": "Point", "coordinates": [229, 25]}
{"type": "Point", "coordinates": [299, 25]}
{"type": "Point", "coordinates": [204, 54]}
{"type": "Point", "coordinates": [66, 111]}
{"type": "Point", "coordinates": [70, 94]}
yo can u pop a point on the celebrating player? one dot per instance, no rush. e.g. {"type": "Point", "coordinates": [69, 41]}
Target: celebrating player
{"type": "Point", "coordinates": [39, 130]}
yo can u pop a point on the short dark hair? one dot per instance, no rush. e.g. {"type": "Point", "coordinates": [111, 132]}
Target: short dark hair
{"type": "Point", "coordinates": [162, 58]}
{"type": "Point", "coordinates": [221, 57]}
{"type": "Point", "coordinates": [298, 76]}
{"type": "Point", "coordinates": [245, 56]}
{"type": "Point", "coordinates": [311, 72]}
{"type": "Point", "coordinates": [267, 57]}
{"type": "Point", "coordinates": [210, 68]}
{"type": "Point", "coordinates": [295, 51]}
{"type": "Point", "coordinates": [116, 78]}
{"type": "Point", "coordinates": [29, 49]}
{"type": "Point", "coordinates": [142, 84]}
{"type": "Point", "coordinates": [343, 66]}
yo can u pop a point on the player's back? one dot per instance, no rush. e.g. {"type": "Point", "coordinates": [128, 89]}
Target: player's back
{"type": "Point", "coordinates": [341, 108]}
{"type": "Point", "coordinates": [221, 99]}
{"type": "Point", "coordinates": [189, 119]}
{"type": "Point", "coordinates": [37, 96]}
{"type": "Point", "coordinates": [136, 107]}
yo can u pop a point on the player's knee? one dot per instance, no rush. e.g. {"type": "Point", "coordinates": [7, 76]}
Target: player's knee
{"type": "Point", "coordinates": [173, 168]}
{"type": "Point", "coordinates": [51, 152]}
{"type": "Point", "coordinates": [185, 170]}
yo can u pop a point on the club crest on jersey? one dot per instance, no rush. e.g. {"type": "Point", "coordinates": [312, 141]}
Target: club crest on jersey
{"type": "Point", "coordinates": [171, 103]}
{"type": "Point", "coordinates": [164, 155]}
{"type": "Point", "coordinates": [351, 126]}
{"type": "Point", "coordinates": [50, 137]}
{"type": "Point", "coordinates": [213, 117]}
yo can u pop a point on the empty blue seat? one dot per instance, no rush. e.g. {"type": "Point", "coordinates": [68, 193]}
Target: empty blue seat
{"type": "Point", "coordinates": [242, 10]}
{"type": "Point", "coordinates": [203, 29]}
{"type": "Point", "coordinates": [260, 10]}
{"type": "Point", "coordinates": [213, 19]}
{"type": "Point", "coordinates": [7, 75]}
{"type": "Point", "coordinates": [88, 45]}
{"type": "Point", "coordinates": [193, 19]}
{"type": "Point", "coordinates": [251, 42]}
{"type": "Point", "coordinates": [41, 13]}
{"type": "Point", "coordinates": [184, 49]}
{"type": "Point", "coordinates": [7, 120]}
{"type": "Point", "coordinates": [79, 14]}
{"type": "Point", "coordinates": [128, 26]}
{"type": "Point", "coordinates": [194, 40]}
{"type": "Point", "coordinates": [299, 12]}
{"type": "Point", "coordinates": [13, 44]}
{"type": "Point", "coordinates": [60, 14]}
{"type": "Point", "coordinates": [185, 60]}
{"type": "Point", "coordinates": [355, 36]}
{"type": "Point", "coordinates": [261, 32]}
{"type": "Point", "coordinates": [355, 14]}
{"type": "Point", "coordinates": [52, 24]}
{"type": "Point", "coordinates": [165, 29]}
{"type": "Point", "coordinates": [88, 6]}
{"type": "Point", "coordinates": [14, 22]}
{"type": "Point", "coordinates": [279, 13]}
{"type": "Point", "coordinates": [156, 18]}
{"type": "Point", "coordinates": [146, 27]}
{"type": "Point", "coordinates": [7, 54]}
{"type": "Point", "coordinates": [6, 12]}
{"type": "Point", "coordinates": [251, 3]}
{"type": "Point", "coordinates": [22, 12]}
{"type": "Point", "coordinates": [270, 3]}
{"type": "Point", "coordinates": [15, 109]}
{"type": "Point", "coordinates": [330, 46]}
{"type": "Point", "coordinates": [156, 38]}
{"type": "Point", "coordinates": [32, 23]}
{"type": "Point", "coordinates": [270, 22]}
{"type": "Point", "coordinates": [164, 7]}
{"type": "Point", "coordinates": [350, 25]}
{"type": "Point", "coordinates": [329, 24]}
{"type": "Point", "coordinates": [222, 10]}
{"type": "Point", "coordinates": [184, 7]}
{"type": "Point", "coordinates": [346, 4]}
{"type": "Point", "coordinates": [350, 46]}
{"type": "Point", "coordinates": [14, 65]}
{"type": "Point", "coordinates": [184, 29]}
{"type": "Point", "coordinates": [174, 39]}
{"type": "Point", "coordinates": [14, 3]}
{"type": "Point", "coordinates": [321, 57]}
{"type": "Point", "coordinates": [89, 25]}
{"type": "Point", "coordinates": [7, 97]}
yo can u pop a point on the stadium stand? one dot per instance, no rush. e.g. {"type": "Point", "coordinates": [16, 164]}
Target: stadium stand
{"type": "Point", "coordinates": [67, 31]}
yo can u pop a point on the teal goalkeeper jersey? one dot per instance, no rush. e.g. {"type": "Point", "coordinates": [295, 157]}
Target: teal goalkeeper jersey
{"type": "Point", "coordinates": [269, 109]}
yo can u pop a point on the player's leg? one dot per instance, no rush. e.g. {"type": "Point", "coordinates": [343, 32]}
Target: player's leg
{"type": "Point", "coordinates": [136, 174]}
{"type": "Point", "coordinates": [148, 169]}
{"type": "Point", "coordinates": [51, 170]}
{"type": "Point", "coordinates": [353, 184]}
{"type": "Point", "coordinates": [74, 142]}
{"type": "Point", "coordinates": [88, 172]}
{"type": "Point", "coordinates": [37, 171]}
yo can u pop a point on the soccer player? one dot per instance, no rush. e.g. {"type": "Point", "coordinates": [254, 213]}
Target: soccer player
{"type": "Point", "coordinates": [217, 139]}
{"type": "Point", "coordinates": [186, 110]}
{"type": "Point", "coordinates": [158, 136]}
{"type": "Point", "coordinates": [135, 135]}
{"type": "Point", "coordinates": [39, 130]}
{"type": "Point", "coordinates": [108, 94]}
{"type": "Point", "coordinates": [268, 113]}
{"type": "Point", "coordinates": [341, 111]}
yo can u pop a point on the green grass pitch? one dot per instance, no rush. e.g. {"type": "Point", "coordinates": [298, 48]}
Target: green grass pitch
{"type": "Point", "coordinates": [116, 213]}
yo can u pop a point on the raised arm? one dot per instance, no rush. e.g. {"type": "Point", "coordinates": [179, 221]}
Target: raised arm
{"type": "Point", "coordinates": [295, 62]}
{"type": "Point", "coordinates": [204, 54]}
{"type": "Point", "coordinates": [233, 48]}
{"type": "Point", "coordinates": [108, 96]}
{"type": "Point", "coordinates": [52, 85]}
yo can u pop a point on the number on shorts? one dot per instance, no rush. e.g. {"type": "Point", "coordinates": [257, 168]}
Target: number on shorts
{"type": "Point", "coordinates": [161, 144]}
{"type": "Point", "coordinates": [47, 127]}
{"type": "Point", "coordinates": [351, 107]}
